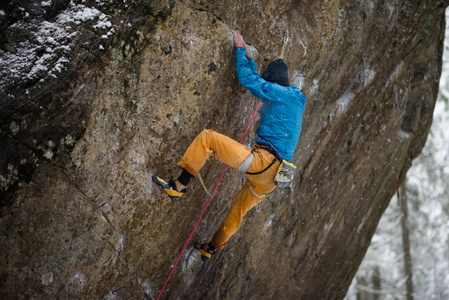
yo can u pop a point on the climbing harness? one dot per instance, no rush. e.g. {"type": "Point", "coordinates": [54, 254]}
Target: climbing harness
{"type": "Point", "coordinates": [207, 204]}
{"type": "Point", "coordinates": [246, 163]}
{"type": "Point", "coordinates": [260, 172]}
{"type": "Point", "coordinates": [249, 159]}
{"type": "Point", "coordinates": [285, 172]}
{"type": "Point", "coordinates": [254, 193]}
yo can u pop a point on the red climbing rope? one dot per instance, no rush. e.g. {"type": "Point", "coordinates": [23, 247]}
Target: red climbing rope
{"type": "Point", "coordinates": [207, 203]}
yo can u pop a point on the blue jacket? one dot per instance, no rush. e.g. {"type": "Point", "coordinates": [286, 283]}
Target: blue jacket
{"type": "Point", "coordinates": [282, 109]}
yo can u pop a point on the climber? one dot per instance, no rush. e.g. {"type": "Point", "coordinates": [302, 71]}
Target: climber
{"type": "Point", "coordinates": [278, 134]}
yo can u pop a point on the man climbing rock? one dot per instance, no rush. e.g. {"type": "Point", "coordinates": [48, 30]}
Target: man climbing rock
{"type": "Point", "coordinates": [278, 134]}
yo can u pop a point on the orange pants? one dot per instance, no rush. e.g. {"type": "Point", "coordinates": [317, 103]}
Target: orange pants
{"type": "Point", "coordinates": [210, 143]}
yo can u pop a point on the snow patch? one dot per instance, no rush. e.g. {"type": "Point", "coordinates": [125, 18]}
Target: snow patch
{"type": "Point", "coordinates": [368, 76]}
{"type": "Point", "coordinates": [344, 102]}
{"type": "Point", "coordinates": [328, 226]}
{"type": "Point", "coordinates": [269, 222]}
{"type": "Point", "coordinates": [304, 46]}
{"type": "Point", "coordinates": [46, 3]}
{"type": "Point", "coordinates": [103, 22]}
{"type": "Point", "coordinates": [49, 154]}
{"type": "Point", "coordinates": [298, 79]}
{"type": "Point", "coordinates": [315, 87]}
{"type": "Point", "coordinates": [111, 296]}
{"type": "Point", "coordinates": [403, 135]}
{"type": "Point", "coordinates": [395, 72]}
{"type": "Point", "coordinates": [361, 224]}
{"type": "Point", "coordinates": [190, 259]}
{"type": "Point", "coordinates": [146, 287]}
{"type": "Point", "coordinates": [80, 13]}
{"type": "Point", "coordinates": [120, 243]}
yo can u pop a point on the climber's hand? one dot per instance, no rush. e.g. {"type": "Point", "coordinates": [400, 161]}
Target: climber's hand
{"type": "Point", "coordinates": [238, 39]}
{"type": "Point", "coordinates": [239, 42]}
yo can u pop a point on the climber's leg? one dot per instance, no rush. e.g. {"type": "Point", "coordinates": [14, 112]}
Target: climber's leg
{"type": "Point", "coordinates": [207, 143]}
{"type": "Point", "coordinates": [242, 202]}
{"type": "Point", "coordinates": [210, 143]}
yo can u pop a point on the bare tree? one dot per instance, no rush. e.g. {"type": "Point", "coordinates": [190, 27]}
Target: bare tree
{"type": "Point", "coordinates": [377, 283]}
{"type": "Point", "coordinates": [408, 269]}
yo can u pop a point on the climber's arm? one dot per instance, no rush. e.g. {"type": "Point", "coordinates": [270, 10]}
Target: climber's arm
{"type": "Point", "coordinates": [240, 43]}
{"type": "Point", "coordinates": [261, 89]}
{"type": "Point", "coordinates": [252, 64]}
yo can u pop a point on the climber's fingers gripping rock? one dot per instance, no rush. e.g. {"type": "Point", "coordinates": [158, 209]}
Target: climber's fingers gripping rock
{"type": "Point", "coordinates": [239, 42]}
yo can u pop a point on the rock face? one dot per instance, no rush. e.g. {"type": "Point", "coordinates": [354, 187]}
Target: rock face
{"type": "Point", "coordinates": [97, 96]}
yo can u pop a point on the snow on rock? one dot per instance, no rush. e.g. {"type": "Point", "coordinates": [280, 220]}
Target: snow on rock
{"type": "Point", "coordinates": [48, 49]}
{"type": "Point", "coordinates": [315, 87]}
{"type": "Point", "coordinates": [344, 102]}
{"type": "Point", "coordinates": [298, 79]}
{"type": "Point", "coordinates": [403, 135]}
{"type": "Point", "coordinates": [46, 3]}
{"type": "Point", "coordinates": [368, 76]}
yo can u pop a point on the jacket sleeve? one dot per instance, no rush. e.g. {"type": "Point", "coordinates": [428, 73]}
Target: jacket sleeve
{"type": "Point", "coordinates": [252, 66]}
{"type": "Point", "coordinates": [250, 79]}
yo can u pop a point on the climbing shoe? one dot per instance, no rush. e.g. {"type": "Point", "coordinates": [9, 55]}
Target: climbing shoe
{"type": "Point", "coordinates": [206, 250]}
{"type": "Point", "coordinates": [169, 187]}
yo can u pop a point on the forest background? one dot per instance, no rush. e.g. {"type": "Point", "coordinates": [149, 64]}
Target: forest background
{"type": "Point", "coordinates": [409, 255]}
